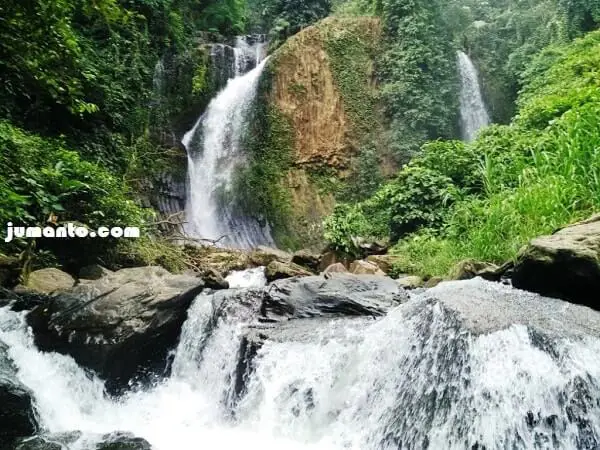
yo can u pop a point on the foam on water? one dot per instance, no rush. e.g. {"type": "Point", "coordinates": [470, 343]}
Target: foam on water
{"type": "Point", "coordinates": [431, 373]}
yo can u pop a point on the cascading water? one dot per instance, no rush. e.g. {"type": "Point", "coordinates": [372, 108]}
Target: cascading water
{"type": "Point", "coordinates": [466, 365]}
{"type": "Point", "coordinates": [473, 113]}
{"type": "Point", "coordinates": [215, 152]}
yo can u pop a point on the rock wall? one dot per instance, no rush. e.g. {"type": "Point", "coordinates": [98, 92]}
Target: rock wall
{"type": "Point", "coordinates": [322, 80]}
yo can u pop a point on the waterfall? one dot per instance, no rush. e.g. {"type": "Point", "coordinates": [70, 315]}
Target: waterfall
{"type": "Point", "coordinates": [473, 113]}
{"type": "Point", "coordinates": [215, 153]}
{"type": "Point", "coordinates": [466, 365]}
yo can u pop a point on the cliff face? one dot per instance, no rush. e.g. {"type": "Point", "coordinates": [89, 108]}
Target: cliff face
{"type": "Point", "coordinates": [322, 81]}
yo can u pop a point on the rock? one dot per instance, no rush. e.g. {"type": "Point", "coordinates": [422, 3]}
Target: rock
{"type": "Point", "coordinates": [371, 247]}
{"type": "Point", "coordinates": [94, 272]}
{"type": "Point", "coordinates": [341, 295]}
{"type": "Point", "coordinates": [433, 282]}
{"type": "Point", "coordinates": [123, 441]}
{"type": "Point", "coordinates": [214, 280]}
{"type": "Point", "coordinates": [263, 256]}
{"type": "Point", "coordinates": [384, 262]}
{"type": "Point", "coordinates": [17, 413]}
{"type": "Point", "coordinates": [23, 300]}
{"type": "Point", "coordinates": [470, 268]}
{"type": "Point", "coordinates": [122, 326]}
{"type": "Point", "coordinates": [37, 443]}
{"type": "Point", "coordinates": [9, 270]}
{"type": "Point", "coordinates": [49, 281]}
{"type": "Point", "coordinates": [307, 259]}
{"type": "Point", "coordinates": [365, 268]}
{"type": "Point", "coordinates": [564, 265]}
{"type": "Point", "coordinates": [410, 282]}
{"type": "Point", "coordinates": [335, 268]}
{"type": "Point", "coordinates": [328, 259]}
{"type": "Point", "coordinates": [51, 441]}
{"type": "Point", "coordinates": [278, 270]}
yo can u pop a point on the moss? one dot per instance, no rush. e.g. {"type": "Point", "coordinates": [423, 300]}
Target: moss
{"type": "Point", "coordinates": [352, 46]}
{"type": "Point", "coordinates": [259, 188]}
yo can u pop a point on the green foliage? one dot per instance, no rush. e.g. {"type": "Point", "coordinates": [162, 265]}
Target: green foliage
{"type": "Point", "coordinates": [283, 18]}
{"type": "Point", "coordinates": [365, 176]}
{"type": "Point", "coordinates": [415, 199]}
{"type": "Point", "coordinates": [560, 79]}
{"type": "Point", "coordinates": [79, 75]}
{"type": "Point", "coordinates": [418, 71]}
{"type": "Point", "coordinates": [352, 48]}
{"type": "Point", "coordinates": [513, 183]}
{"type": "Point", "coordinates": [421, 195]}
{"type": "Point", "coordinates": [41, 177]}
{"type": "Point", "coordinates": [453, 159]}
{"type": "Point", "coordinates": [258, 188]}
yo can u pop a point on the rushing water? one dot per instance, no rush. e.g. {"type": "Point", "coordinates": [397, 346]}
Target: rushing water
{"type": "Point", "coordinates": [485, 366]}
{"type": "Point", "coordinates": [215, 152]}
{"type": "Point", "coordinates": [473, 113]}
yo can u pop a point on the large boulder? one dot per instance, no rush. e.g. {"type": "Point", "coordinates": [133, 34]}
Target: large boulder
{"type": "Point", "coordinates": [308, 259]}
{"type": "Point", "coordinates": [122, 326]}
{"type": "Point", "coordinates": [335, 268]}
{"type": "Point", "coordinates": [94, 272]}
{"type": "Point", "coordinates": [49, 441]}
{"type": "Point", "coordinates": [564, 265]}
{"type": "Point", "coordinates": [471, 268]}
{"type": "Point", "coordinates": [49, 281]}
{"type": "Point", "coordinates": [410, 282]}
{"type": "Point", "coordinates": [361, 267]}
{"type": "Point", "coordinates": [17, 414]}
{"type": "Point", "coordinates": [340, 295]}
{"type": "Point", "coordinates": [277, 270]}
{"type": "Point", "coordinates": [123, 441]}
{"type": "Point", "coordinates": [384, 262]}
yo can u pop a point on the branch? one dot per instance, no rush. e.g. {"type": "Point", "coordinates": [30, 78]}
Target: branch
{"type": "Point", "coordinates": [168, 221]}
{"type": "Point", "coordinates": [183, 237]}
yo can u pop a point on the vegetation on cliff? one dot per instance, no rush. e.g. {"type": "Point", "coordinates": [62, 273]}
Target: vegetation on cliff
{"type": "Point", "coordinates": [486, 199]}
{"type": "Point", "coordinates": [81, 131]}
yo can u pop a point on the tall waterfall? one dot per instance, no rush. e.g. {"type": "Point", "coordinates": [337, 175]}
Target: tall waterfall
{"type": "Point", "coordinates": [473, 113]}
{"type": "Point", "coordinates": [466, 365]}
{"type": "Point", "coordinates": [215, 152]}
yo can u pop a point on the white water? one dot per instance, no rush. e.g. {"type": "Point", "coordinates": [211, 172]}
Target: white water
{"type": "Point", "coordinates": [424, 373]}
{"type": "Point", "coordinates": [473, 113]}
{"type": "Point", "coordinates": [215, 153]}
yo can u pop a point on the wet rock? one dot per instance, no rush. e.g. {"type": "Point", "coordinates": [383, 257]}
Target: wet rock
{"type": "Point", "coordinates": [470, 268]}
{"type": "Point", "coordinates": [22, 301]}
{"type": "Point", "coordinates": [214, 280]}
{"type": "Point", "coordinates": [123, 441]}
{"type": "Point", "coordinates": [9, 270]}
{"type": "Point", "coordinates": [94, 272]}
{"type": "Point", "coordinates": [410, 282]}
{"type": "Point", "coordinates": [277, 270]}
{"type": "Point", "coordinates": [365, 268]}
{"type": "Point", "coordinates": [371, 247]}
{"type": "Point", "coordinates": [433, 282]}
{"type": "Point", "coordinates": [328, 259]}
{"type": "Point", "coordinates": [340, 295]}
{"type": "Point", "coordinates": [52, 441]}
{"type": "Point", "coordinates": [564, 265]}
{"type": "Point", "coordinates": [122, 326]}
{"type": "Point", "coordinates": [49, 281]}
{"type": "Point", "coordinates": [307, 259]}
{"type": "Point", "coordinates": [17, 414]}
{"type": "Point", "coordinates": [335, 268]}
{"type": "Point", "coordinates": [265, 255]}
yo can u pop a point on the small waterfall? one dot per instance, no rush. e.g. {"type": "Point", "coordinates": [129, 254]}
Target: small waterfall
{"type": "Point", "coordinates": [215, 152]}
{"type": "Point", "coordinates": [466, 365]}
{"type": "Point", "coordinates": [473, 113]}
